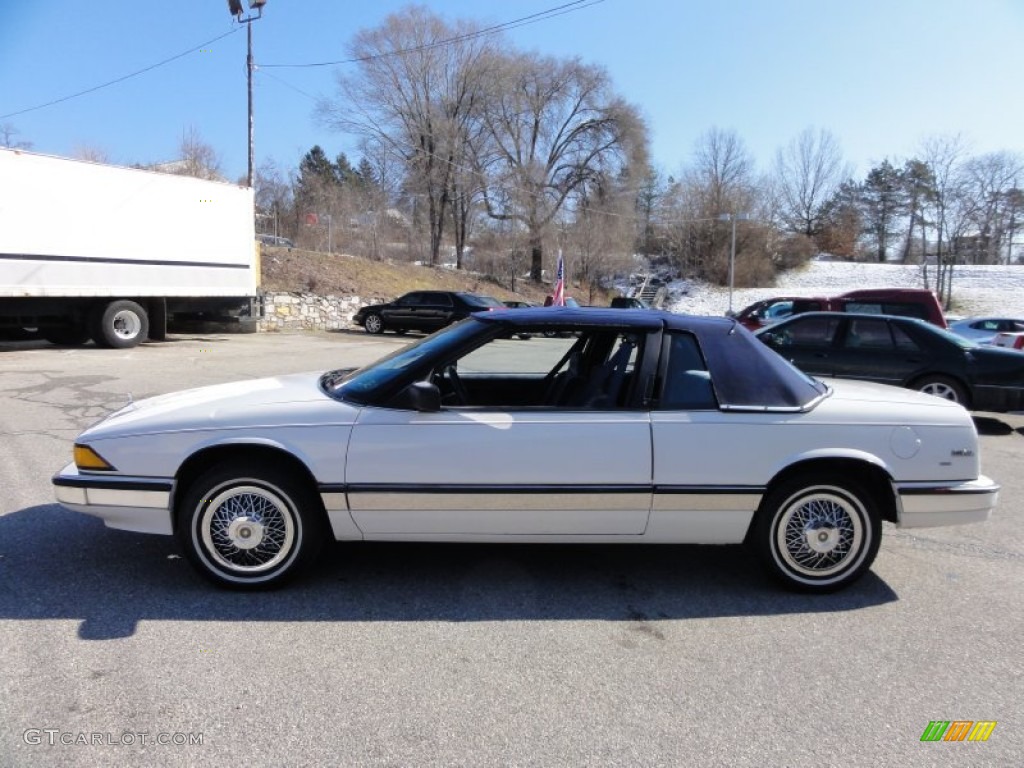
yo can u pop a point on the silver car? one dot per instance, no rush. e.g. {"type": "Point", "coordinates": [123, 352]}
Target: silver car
{"type": "Point", "coordinates": [984, 329]}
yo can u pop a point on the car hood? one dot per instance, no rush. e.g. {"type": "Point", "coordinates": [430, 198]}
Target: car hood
{"type": "Point", "coordinates": [273, 401]}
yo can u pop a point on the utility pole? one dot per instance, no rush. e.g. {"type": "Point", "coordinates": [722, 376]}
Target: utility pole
{"type": "Point", "coordinates": [235, 7]}
{"type": "Point", "coordinates": [732, 250]}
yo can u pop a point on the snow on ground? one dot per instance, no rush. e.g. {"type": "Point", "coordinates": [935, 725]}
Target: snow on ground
{"type": "Point", "coordinates": [982, 290]}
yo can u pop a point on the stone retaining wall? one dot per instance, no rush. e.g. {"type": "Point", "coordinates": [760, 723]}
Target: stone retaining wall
{"type": "Point", "coordinates": [308, 312]}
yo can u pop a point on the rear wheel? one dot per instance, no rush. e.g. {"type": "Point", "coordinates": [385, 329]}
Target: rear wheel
{"type": "Point", "coordinates": [373, 324]}
{"type": "Point", "coordinates": [944, 387]}
{"type": "Point", "coordinates": [120, 324]}
{"type": "Point", "coordinates": [249, 526]}
{"type": "Point", "coordinates": [817, 534]}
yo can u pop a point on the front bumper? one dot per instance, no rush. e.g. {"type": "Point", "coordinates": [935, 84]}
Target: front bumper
{"type": "Point", "coordinates": [925, 505]}
{"type": "Point", "coordinates": [141, 504]}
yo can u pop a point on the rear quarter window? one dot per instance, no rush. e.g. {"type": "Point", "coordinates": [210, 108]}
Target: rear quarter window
{"type": "Point", "coordinates": [687, 382]}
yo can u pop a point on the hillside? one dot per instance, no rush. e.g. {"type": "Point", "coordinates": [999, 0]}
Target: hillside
{"type": "Point", "coordinates": [291, 269]}
{"type": "Point", "coordinates": [977, 290]}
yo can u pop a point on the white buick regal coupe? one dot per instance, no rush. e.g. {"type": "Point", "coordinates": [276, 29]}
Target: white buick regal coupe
{"type": "Point", "coordinates": [538, 425]}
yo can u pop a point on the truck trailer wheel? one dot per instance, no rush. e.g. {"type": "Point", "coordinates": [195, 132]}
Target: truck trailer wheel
{"type": "Point", "coordinates": [120, 324]}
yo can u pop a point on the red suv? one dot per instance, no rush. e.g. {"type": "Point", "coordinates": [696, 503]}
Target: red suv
{"type": "Point", "coordinates": [904, 302]}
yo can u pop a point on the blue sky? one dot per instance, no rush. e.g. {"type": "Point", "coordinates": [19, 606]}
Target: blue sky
{"type": "Point", "coordinates": [880, 75]}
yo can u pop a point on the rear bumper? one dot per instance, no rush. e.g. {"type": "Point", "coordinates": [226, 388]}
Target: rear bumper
{"type": "Point", "coordinates": [924, 505]}
{"type": "Point", "coordinates": [139, 504]}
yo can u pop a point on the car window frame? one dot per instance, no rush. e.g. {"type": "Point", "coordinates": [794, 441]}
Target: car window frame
{"type": "Point", "coordinates": [646, 359]}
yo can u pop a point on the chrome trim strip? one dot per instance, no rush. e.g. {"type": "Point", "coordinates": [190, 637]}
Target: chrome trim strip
{"type": "Point", "coordinates": [492, 488]}
{"type": "Point", "coordinates": [707, 502]}
{"type": "Point", "coordinates": [710, 490]}
{"type": "Point", "coordinates": [480, 499]}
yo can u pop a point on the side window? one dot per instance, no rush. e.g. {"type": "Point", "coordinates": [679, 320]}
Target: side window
{"type": "Point", "coordinates": [807, 332]}
{"type": "Point", "coordinates": [864, 308]}
{"type": "Point", "coordinates": [906, 310]}
{"type": "Point", "coordinates": [686, 383]}
{"type": "Point", "coordinates": [903, 341]}
{"type": "Point", "coordinates": [439, 299]}
{"type": "Point", "coordinates": [528, 368]}
{"type": "Point", "coordinates": [410, 300]}
{"type": "Point", "coordinates": [868, 334]}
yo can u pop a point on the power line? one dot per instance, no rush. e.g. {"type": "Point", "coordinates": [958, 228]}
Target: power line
{"type": "Point", "coordinates": [286, 84]}
{"type": "Point", "coordinates": [550, 13]}
{"type": "Point", "coordinates": [120, 79]}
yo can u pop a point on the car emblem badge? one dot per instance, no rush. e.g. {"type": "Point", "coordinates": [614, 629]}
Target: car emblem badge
{"type": "Point", "coordinates": [962, 452]}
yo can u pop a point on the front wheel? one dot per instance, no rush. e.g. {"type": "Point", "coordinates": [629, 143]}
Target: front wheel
{"type": "Point", "coordinates": [817, 534]}
{"type": "Point", "coordinates": [249, 526]}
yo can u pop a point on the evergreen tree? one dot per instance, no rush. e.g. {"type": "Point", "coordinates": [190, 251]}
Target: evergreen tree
{"type": "Point", "coordinates": [883, 198]}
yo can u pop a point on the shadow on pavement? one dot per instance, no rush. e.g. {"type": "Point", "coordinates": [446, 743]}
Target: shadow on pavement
{"type": "Point", "coordinates": [990, 425]}
{"type": "Point", "coordinates": [56, 564]}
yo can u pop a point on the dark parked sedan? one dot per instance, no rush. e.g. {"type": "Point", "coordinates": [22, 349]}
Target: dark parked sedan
{"type": "Point", "coordinates": [423, 311]}
{"type": "Point", "coordinates": [902, 351]}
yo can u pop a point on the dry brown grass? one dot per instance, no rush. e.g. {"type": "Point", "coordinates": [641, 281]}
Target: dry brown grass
{"type": "Point", "coordinates": [291, 269]}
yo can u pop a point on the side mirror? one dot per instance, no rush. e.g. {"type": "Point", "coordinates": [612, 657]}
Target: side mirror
{"type": "Point", "coordinates": [420, 396]}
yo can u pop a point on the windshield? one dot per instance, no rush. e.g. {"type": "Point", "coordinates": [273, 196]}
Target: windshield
{"type": "Point", "coordinates": [358, 385]}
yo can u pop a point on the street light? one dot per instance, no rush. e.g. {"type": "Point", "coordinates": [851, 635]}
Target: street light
{"type": "Point", "coordinates": [235, 7]}
{"type": "Point", "coordinates": [732, 251]}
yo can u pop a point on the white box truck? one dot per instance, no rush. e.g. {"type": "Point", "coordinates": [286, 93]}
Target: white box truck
{"type": "Point", "coordinates": [112, 254]}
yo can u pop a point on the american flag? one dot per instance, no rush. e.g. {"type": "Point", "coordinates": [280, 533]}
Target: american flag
{"type": "Point", "coordinates": [558, 294]}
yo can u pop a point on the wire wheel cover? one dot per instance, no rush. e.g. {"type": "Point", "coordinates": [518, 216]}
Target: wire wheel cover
{"type": "Point", "coordinates": [819, 532]}
{"type": "Point", "coordinates": [248, 529]}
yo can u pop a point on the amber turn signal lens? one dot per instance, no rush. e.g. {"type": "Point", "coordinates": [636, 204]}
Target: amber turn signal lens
{"type": "Point", "coordinates": [87, 458]}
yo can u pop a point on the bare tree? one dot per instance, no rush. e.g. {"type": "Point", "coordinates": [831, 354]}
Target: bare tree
{"type": "Point", "coordinates": [943, 155]}
{"type": "Point", "coordinates": [599, 236]}
{"type": "Point", "coordinates": [722, 172]}
{"type": "Point", "coordinates": [987, 188]}
{"type": "Point", "coordinates": [719, 180]}
{"type": "Point", "coordinates": [415, 92]}
{"type": "Point", "coordinates": [274, 202]}
{"type": "Point", "coordinates": [195, 157]}
{"type": "Point", "coordinates": [551, 126]}
{"type": "Point", "coordinates": [91, 153]}
{"type": "Point", "coordinates": [7, 133]}
{"type": "Point", "coordinates": [808, 171]}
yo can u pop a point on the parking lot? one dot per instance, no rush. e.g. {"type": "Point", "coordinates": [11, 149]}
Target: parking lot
{"type": "Point", "coordinates": [414, 655]}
